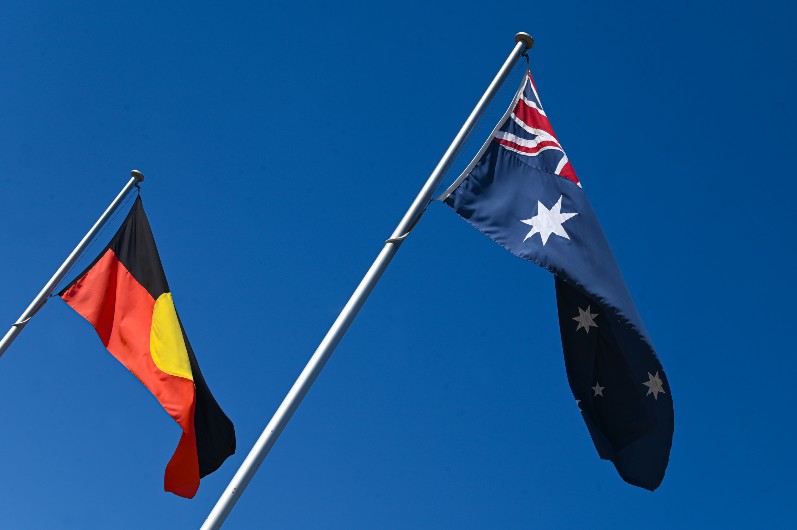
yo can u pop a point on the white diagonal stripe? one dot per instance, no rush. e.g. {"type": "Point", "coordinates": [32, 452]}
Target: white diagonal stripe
{"type": "Point", "coordinates": [561, 163]}
{"type": "Point", "coordinates": [524, 142]}
{"type": "Point", "coordinates": [531, 130]}
{"type": "Point", "coordinates": [533, 105]}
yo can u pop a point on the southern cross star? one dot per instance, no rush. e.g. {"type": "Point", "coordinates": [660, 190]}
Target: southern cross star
{"type": "Point", "coordinates": [598, 389]}
{"type": "Point", "coordinates": [585, 319]}
{"type": "Point", "coordinates": [548, 222]}
{"type": "Point", "coordinates": [654, 386]}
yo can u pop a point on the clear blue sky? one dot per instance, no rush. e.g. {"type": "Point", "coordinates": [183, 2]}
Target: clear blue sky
{"type": "Point", "coordinates": [281, 145]}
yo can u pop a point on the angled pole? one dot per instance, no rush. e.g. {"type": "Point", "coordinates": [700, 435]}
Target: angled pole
{"type": "Point", "coordinates": [308, 376]}
{"type": "Point", "coordinates": [41, 298]}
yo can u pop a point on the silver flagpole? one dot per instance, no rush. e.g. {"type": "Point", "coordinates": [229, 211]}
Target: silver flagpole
{"type": "Point", "coordinates": [266, 441]}
{"type": "Point", "coordinates": [41, 298]}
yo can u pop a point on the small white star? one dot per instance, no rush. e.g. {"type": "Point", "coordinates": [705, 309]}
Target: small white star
{"type": "Point", "coordinates": [654, 385]}
{"type": "Point", "coordinates": [585, 319]}
{"type": "Point", "coordinates": [578, 401]}
{"type": "Point", "coordinates": [598, 389]}
{"type": "Point", "coordinates": [548, 222]}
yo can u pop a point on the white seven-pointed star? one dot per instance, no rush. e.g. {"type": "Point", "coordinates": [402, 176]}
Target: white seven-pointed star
{"type": "Point", "coordinates": [548, 222]}
{"type": "Point", "coordinates": [585, 319]}
{"type": "Point", "coordinates": [654, 385]}
{"type": "Point", "coordinates": [598, 389]}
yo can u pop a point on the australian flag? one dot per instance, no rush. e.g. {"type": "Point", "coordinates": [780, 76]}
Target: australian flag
{"type": "Point", "coordinates": [522, 191]}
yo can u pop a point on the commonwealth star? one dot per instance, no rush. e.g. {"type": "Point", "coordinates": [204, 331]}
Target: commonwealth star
{"type": "Point", "coordinates": [548, 222]}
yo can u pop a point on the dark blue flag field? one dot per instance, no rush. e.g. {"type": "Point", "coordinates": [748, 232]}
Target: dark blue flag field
{"type": "Point", "coordinates": [522, 191]}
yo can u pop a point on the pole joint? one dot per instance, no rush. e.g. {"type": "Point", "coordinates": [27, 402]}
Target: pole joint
{"type": "Point", "coordinates": [21, 323]}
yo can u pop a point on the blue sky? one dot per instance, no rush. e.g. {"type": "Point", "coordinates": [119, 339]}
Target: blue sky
{"type": "Point", "coordinates": [282, 143]}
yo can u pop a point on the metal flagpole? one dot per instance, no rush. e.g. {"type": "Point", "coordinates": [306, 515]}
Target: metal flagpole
{"type": "Point", "coordinates": [41, 298]}
{"type": "Point", "coordinates": [266, 441]}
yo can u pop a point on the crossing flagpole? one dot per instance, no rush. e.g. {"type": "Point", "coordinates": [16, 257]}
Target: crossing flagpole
{"type": "Point", "coordinates": [41, 298]}
{"type": "Point", "coordinates": [266, 441]}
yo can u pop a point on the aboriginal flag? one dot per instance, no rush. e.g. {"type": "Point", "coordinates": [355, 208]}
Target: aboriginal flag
{"type": "Point", "coordinates": [125, 296]}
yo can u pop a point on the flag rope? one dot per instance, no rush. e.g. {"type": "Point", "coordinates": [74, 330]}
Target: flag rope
{"type": "Point", "coordinates": [480, 127]}
{"type": "Point", "coordinates": [41, 298]}
{"type": "Point", "coordinates": [95, 238]}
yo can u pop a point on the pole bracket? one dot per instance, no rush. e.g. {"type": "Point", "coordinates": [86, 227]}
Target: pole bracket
{"type": "Point", "coordinates": [398, 239]}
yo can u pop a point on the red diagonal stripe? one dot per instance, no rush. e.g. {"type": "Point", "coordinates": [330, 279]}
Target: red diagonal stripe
{"type": "Point", "coordinates": [528, 150]}
{"type": "Point", "coordinates": [531, 117]}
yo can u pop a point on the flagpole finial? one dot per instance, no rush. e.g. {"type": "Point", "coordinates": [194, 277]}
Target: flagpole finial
{"type": "Point", "coordinates": [137, 175]}
{"type": "Point", "coordinates": [525, 38]}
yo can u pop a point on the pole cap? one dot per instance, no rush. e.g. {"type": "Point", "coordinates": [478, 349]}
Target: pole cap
{"type": "Point", "coordinates": [137, 175]}
{"type": "Point", "coordinates": [525, 38]}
